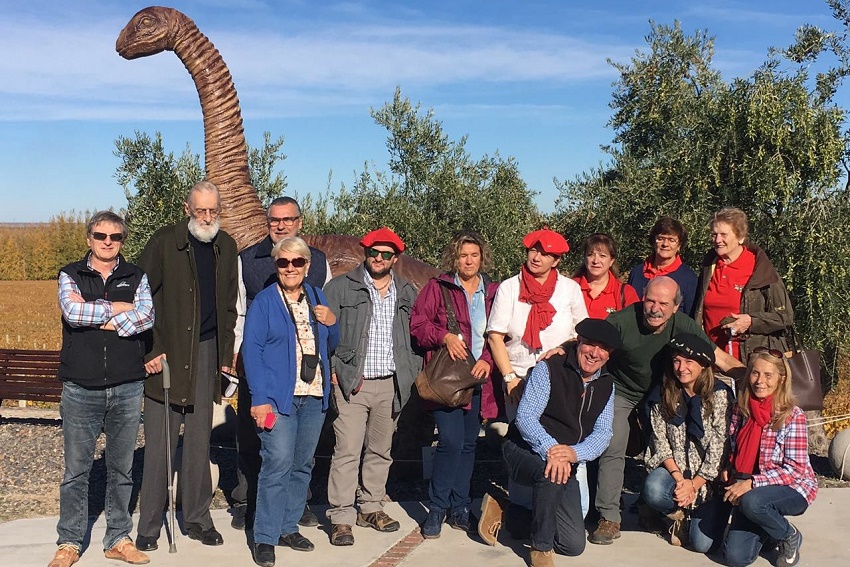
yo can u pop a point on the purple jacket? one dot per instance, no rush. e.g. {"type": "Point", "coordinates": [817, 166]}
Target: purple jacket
{"type": "Point", "coordinates": [429, 324]}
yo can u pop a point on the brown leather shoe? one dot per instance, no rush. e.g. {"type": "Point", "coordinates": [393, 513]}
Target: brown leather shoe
{"type": "Point", "coordinates": [65, 556]}
{"type": "Point", "coordinates": [378, 520]}
{"type": "Point", "coordinates": [606, 532]}
{"type": "Point", "coordinates": [491, 520]}
{"type": "Point", "coordinates": [542, 558]}
{"type": "Point", "coordinates": [341, 535]}
{"type": "Point", "coordinates": [125, 550]}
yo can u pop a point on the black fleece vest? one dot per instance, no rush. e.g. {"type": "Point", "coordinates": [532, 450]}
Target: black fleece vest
{"type": "Point", "coordinates": [259, 270]}
{"type": "Point", "coordinates": [93, 358]}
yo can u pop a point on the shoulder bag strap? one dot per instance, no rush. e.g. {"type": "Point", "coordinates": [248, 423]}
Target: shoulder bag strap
{"type": "Point", "coordinates": [450, 311]}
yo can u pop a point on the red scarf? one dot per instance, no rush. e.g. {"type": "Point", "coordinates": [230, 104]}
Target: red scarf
{"type": "Point", "coordinates": [761, 412]}
{"type": "Point", "coordinates": [542, 312]}
{"type": "Point", "coordinates": [650, 271]}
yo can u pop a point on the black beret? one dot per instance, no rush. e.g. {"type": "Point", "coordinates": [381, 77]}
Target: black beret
{"type": "Point", "coordinates": [599, 331]}
{"type": "Point", "coordinates": [693, 347]}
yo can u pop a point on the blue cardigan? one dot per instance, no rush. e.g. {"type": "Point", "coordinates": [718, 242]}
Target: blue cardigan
{"type": "Point", "coordinates": [268, 349]}
{"type": "Point", "coordinates": [684, 276]}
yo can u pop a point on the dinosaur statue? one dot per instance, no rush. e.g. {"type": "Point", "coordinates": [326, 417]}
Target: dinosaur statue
{"type": "Point", "coordinates": [156, 29]}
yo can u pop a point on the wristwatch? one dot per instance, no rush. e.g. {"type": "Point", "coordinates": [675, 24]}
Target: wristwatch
{"type": "Point", "coordinates": [509, 377]}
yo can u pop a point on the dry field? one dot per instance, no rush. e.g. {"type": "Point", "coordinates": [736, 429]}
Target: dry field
{"type": "Point", "coordinates": [29, 315]}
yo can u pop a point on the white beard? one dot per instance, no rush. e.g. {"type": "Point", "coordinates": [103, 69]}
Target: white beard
{"type": "Point", "coordinates": [204, 233]}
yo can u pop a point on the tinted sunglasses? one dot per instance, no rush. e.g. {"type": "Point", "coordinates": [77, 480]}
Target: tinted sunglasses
{"type": "Point", "coordinates": [770, 351]}
{"type": "Point", "coordinates": [115, 236]}
{"type": "Point", "coordinates": [296, 262]}
{"type": "Point", "coordinates": [372, 253]}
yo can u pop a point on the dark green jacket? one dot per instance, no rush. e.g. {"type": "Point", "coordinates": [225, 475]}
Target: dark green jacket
{"type": "Point", "coordinates": [170, 265]}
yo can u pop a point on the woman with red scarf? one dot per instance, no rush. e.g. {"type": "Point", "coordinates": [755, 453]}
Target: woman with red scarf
{"type": "Point", "coordinates": [769, 471]}
{"type": "Point", "coordinates": [599, 278]}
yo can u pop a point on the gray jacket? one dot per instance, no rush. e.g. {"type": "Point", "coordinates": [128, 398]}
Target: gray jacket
{"type": "Point", "coordinates": [349, 299]}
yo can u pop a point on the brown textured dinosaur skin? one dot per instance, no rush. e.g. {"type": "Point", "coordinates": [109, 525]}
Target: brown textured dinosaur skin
{"type": "Point", "coordinates": [157, 29]}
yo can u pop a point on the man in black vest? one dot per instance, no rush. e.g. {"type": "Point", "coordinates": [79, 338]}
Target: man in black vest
{"type": "Point", "coordinates": [564, 418]}
{"type": "Point", "coordinates": [257, 271]}
{"type": "Point", "coordinates": [107, 311]}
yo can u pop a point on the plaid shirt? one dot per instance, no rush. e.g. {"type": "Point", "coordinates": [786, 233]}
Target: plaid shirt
{"type": "Point", "coordinates": [783, 455]}
{"type": "Point", "coordinates": [379, 352]}
{"type": "Point", "coordinates": [98, 312]}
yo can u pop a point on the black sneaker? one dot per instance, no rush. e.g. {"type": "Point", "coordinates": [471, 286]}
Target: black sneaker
{"type": "Point", "coordinates": [789, 549]}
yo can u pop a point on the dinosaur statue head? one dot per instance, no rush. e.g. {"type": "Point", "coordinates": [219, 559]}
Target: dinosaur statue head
{"type": "Point", "coordinates": [151, 31]}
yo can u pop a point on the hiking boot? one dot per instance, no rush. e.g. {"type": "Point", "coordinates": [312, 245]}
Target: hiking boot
{"type": "Point", "coordinates": [65, 556]}
{"type": "Point", "coordinates": [679, 533]}
{"type": "Point", "coordinates": [789, 549]}
{"type": "Point", "coordinates": [434, 523]}
{"type": "Point", "coordinates": [341, 535]}
{"type": "Point", "coordinates": [606, 532]}
{"type": "Point", "coordinates": [542, 558]}
{"type": "Point", "coordinates": [378, 520]}
{"type": "Point", "coordinates": [490, 521]}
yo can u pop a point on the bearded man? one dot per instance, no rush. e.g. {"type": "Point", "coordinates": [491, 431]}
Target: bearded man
{"type": "Point", "coordinates": [192, 270]}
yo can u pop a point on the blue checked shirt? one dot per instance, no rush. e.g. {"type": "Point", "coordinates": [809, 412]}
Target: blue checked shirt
{"type": "Point", "coordinates": [534, 401]}
{"type": "Point", "coordinates": [379, 352]}
{"type": "Point", "coordinates": [99, 312]}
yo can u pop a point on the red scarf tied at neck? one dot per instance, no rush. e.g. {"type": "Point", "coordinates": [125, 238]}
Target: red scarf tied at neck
{"type": "Point", "coordinates": [542, 312]}
{"type": "Point", "coordinates": [761, 412]}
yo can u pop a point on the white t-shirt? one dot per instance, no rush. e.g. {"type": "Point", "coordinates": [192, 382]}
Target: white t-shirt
{"type": "Point", "coordinates": [508, 315]}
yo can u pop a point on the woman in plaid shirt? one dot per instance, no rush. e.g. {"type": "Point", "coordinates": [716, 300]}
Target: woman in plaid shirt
{"type": "Point", "coordinates": [769, 469]}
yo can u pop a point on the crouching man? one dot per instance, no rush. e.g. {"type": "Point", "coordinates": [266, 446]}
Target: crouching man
{"type": "Point", "coordinates": [564, 419]}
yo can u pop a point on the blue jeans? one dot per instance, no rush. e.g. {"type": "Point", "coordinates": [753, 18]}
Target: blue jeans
{"type": "Point", "coordinates": [759, 515]}
{"type": "Point", "coordinates": [454, 458]}
{"type": "Point", "coordinates": [556, 521]}
{"type": "Point", "coordinates": [708, 521]}
{"type": "Point", "coordinates": [85, 413]}
{"type": "Point", "coordinates": [287, 452]}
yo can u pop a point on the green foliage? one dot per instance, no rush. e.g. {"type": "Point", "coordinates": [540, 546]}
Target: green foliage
{"type": "Point", "coordinates": [261, 166]}
{"type": "Point", "coordinates": [433, 189]}
{"type": "Point", "coordinates": [687, 143]}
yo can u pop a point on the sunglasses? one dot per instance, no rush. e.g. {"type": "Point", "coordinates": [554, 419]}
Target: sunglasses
{"type": "Point", "coordinates": [296, 262]}
{"type": "Point", "coordinates": [115, 236]}
{"type": "Point", "coordinates": [771, 351]}
{"type": "Point", "coordinates": [372, 253]}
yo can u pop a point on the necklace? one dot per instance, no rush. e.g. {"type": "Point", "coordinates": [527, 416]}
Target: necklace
{"type": "Point", "coordinates": [385, 286]}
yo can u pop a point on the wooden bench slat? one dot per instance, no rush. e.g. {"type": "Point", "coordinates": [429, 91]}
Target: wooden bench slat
{"type": "Point", "coordinates": [30, 375]}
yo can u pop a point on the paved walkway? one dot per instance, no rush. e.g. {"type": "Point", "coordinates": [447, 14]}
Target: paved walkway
{"type": "Point", "coordinates": [30, 543]}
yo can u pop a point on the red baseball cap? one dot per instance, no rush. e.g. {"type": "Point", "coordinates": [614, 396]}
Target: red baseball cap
{"type": "Point", "coordinates": [550, 241]}
{"type": "Point", "coordinates": [382, 236]}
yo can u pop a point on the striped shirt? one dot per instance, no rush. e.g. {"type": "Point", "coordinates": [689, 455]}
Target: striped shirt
{"type": "Point", "coordinates": [379, 352]}
{"type": "Point", "coordinates": [535, 397]}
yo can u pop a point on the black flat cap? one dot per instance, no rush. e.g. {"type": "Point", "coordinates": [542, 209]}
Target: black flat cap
{"type": "Point", "coordinates": [693, 347]}
{"type": "Point", "coordinates": [600, 331]}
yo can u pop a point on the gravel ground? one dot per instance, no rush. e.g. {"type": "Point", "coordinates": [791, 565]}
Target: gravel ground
{"type": "Point", "coordinates": [31, 466]}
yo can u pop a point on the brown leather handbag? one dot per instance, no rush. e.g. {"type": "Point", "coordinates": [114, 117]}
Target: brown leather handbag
{"type": "Point", "coordinates": [805, 374]}
{"type": "Point", "coordinates": [445, 381]}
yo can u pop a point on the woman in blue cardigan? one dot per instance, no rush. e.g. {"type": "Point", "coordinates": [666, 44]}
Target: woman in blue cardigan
{"type": "Point", "coordinates": [289, 335]}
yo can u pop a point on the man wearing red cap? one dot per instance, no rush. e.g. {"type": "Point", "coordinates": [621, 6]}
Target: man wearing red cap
{"type": "Point", "coordinates": [373, 370]}
{"type": "Point", "coordinates": [533, 311]}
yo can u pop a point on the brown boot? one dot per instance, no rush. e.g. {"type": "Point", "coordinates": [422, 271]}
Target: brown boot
{"type": "Point", "coordinates": [65, 556]}
{"type": "Point", "coordinates": [491, 520]}
{"type": "Point", "coordinates": [125, 550]}
{"type": "Point", "coordinates": [606, 532]}
{"type": "Point", "coordinates": [378, 520]}
{"type": "Point", "coordinates": [341, 535]}
{"type": "Point", "coordinates": [542, 558]}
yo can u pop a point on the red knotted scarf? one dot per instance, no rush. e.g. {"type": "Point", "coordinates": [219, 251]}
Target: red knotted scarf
{"type": "Point", "coordinates": [650, 271]}
{"type": "Point", "coordinates": [542, 312]}
{"type": "Point", "coordinates": [761, 412]}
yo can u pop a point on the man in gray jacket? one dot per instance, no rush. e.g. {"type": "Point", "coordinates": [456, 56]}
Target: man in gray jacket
{"type": "Point", "coordinates": [374, 368]}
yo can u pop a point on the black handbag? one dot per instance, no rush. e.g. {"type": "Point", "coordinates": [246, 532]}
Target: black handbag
{"type": "Point", "coordinates": [445, 381]}
{"type": "Point", "coordinates": [805, 374]}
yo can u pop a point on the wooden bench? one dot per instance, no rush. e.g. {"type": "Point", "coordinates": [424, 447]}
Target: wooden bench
{"type": "Point", "coordinates": [30, 375]}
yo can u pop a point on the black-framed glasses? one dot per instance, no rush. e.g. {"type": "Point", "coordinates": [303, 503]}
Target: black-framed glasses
{"type": "Point", "coordinates": [114, 236]}
{"type": "Point", "coordinates": [286, 221]}
{"type": "Point", "coordinates": [296, 262]}
{"type": "Point", "coordinates": [771, 351]}
{"type": "Point", "coordinates": [372, 253]}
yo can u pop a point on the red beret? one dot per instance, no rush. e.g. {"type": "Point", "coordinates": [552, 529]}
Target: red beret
{"type": "Point", "coordinates": [382, 236]}
{"type": "Point", "coordinates": [550, 241]}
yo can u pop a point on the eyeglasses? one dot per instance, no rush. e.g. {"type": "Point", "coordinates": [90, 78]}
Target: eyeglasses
{"type": "Point", "coordinates": [296, 262]}
{"type": "Point", "coordinates": [115, 236]}
{"type": "Point", "coordinates": [201, 213]}
{"type": "Point", "coordinates": [287, 221]}
{"type": "Point", "coordinates": [771, 351]}
{"type": "Point", "coordinates": [372, 253]}
{"type": "Point", "coordinates": [666, 239]}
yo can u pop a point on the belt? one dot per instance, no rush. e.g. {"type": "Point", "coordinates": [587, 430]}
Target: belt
{"type": "Point", "coordinates": [387, 377]}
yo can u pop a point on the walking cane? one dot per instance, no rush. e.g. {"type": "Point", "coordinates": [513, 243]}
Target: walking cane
{"type": "Point", "coordinates": [166, 386]}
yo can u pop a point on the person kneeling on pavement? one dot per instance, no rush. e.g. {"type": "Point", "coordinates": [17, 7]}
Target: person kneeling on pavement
{"type": "Point", "coordinates": [564, 418]}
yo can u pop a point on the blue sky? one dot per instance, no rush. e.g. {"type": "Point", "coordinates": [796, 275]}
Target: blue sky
{"type": "Point", "coordinates": [527, 79]}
